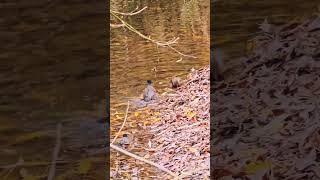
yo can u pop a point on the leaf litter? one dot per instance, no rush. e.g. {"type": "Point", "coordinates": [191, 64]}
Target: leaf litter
{"type": "Point", "coordinates": [266, 121]}
{"type": "Point", "coordinates": [181, 128]}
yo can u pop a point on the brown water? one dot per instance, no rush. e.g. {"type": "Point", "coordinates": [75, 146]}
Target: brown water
{"type": "Point", "coordinates": [48, 75]}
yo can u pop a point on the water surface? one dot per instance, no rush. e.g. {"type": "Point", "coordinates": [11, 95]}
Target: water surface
{"type": "Point", "coordinates": [50, 76]}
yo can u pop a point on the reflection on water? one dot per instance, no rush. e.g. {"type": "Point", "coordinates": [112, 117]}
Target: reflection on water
{"type": "Point", "coordinates": [135, 60]}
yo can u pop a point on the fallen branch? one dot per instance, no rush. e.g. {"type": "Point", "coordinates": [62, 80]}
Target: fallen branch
{"type": "Point", "coordinates": [55, 153]}
{"type": "Point", "coordinates": [159, 43]}
{"type": "Point", "coordinates": [125, 119]}
{"type": "Point", "coordinates": [144, 160]}
{"type": "Point", "coordinates": [142, 35]}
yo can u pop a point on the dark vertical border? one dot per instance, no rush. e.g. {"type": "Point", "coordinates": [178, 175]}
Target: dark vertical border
{"type": "Point", "coordinates": [211, 86]}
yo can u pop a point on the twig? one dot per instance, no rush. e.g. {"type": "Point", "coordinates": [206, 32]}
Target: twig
{"type": "Point", "coordinates": [189, 173]}
{"type": "Point", "coordinates": [181, 52]}
{"type": "Point", "coordinates": [131, 13]}
{"type": "Point", "coordinates": [189, 126]}
{"type": "Point", "coordinates": [144, 160]}
{"type": "Point", "coordinates": [125, 119]}
{"type": "Point", "coordinates": [55, 153]}
{"type": "Point", "coordinates": [116, 25]}
{"type": "Point", "coordinates": [142, 35]}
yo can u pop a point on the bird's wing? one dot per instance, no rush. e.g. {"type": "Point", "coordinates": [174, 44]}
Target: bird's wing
{"type": "Point", "coordinates": [153, 89]}
{"type": "Point", "coordinates": [145, 92]}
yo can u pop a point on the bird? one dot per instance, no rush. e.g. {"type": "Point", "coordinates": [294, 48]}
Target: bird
{"type": "Point", "coordinates": [175, 82]}
{"type": "Point", "coordinates": [149, 92]}
{"type": "Point", "coordinates": [124, 142]}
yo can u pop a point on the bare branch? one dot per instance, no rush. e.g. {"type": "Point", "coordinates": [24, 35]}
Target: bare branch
{"type": "Point", "coordinates": [159, 43]}
{"type": "Point", "coordinates": [130, 13]}
{"type": "Point", "coordinates": [181, 52]}
{"type": "Point", "coordinates": [116, 25]}
{"type": "Point", "coordinates": [125, 119]}
{"type": "Point", "coordinates": [144, 160]}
